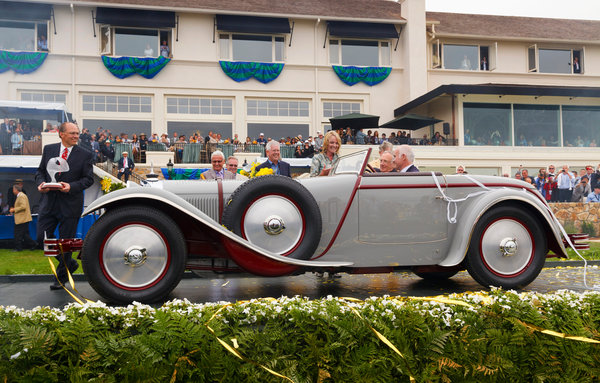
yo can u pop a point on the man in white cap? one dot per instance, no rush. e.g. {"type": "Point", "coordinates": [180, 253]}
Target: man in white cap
{"type": "Point", "coordinates": [125, 165]}
{"type": "Point", "coordinates": [261, 139]}
{"type": "Point", "coordinates": [318, 141]}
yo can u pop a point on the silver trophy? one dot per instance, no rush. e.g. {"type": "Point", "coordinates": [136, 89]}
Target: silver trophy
{"type": "Point", "coordinates": [55, 165]}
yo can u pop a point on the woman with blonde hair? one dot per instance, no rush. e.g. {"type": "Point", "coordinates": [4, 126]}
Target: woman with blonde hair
{"type": "Point", "coordinates": [328, 157]}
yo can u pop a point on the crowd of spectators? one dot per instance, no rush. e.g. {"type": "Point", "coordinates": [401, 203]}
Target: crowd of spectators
{"type": "Point", "coordinates": [564, 185]}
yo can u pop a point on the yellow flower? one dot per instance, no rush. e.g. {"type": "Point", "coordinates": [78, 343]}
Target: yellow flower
{"type": "Point", "coordinates": [264, 172]}
{"type": "Point", "coordinates": [105, 184]}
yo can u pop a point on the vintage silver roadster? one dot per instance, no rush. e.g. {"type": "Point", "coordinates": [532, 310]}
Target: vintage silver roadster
{"type": "Point", "coordinates": [352, 221]}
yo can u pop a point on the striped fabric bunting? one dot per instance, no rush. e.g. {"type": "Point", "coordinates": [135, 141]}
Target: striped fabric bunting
{"type": "Point", "coordinates": [123, 67]}
{"type": "Point", "coordinates": [21, 62]}
{"type": "Point", "coordinates": [242, 70]}
{"type": "Point", "coordinates": [351, 75]}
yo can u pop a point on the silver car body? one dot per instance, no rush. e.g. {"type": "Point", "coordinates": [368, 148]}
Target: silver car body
{"type": "Point", "coordinates": [368, 220]}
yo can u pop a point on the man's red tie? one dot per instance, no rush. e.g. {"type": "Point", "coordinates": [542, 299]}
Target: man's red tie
{"type": "Point", "coordinates": [65, 154]}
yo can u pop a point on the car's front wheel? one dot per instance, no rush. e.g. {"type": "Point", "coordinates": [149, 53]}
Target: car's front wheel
{"type": "Point", "coordinates": [134, 254]}
{"type": "Point", "coordinates": [507, 249]}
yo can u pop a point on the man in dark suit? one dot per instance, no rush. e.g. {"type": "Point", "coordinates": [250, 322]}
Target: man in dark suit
{"type": "Point", "coordinates": [274, 160]}
{"type": "Point", "coordinates": [125, 165]}
{"type": "Point", "coordinates": [62, 206]}
{"type": "Point", "coordinates": [404, 158]}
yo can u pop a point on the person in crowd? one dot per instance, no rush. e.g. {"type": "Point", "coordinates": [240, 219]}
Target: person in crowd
{"type": "Point", "coordinates": [85, 139]}
{"type": "Point", "coordinates": [308, 151]}
{"type": "Point", "coordinates": [563, 179]}
{"type": "Point", "coordinates": [164, 139]}
{"type": "Point", "coordinates": [62, 207]}
{"type": "Point", "coordinates": [217, 160]}
{"type": "Point", "coordinates": [594, 176]}
{"type": "Point", "coordinates": [108, 151]}
{"type": "Point", "coordinates": [273, 161]}
{"type": "Point", "coordinates": [581, 190]}
{"type": "Point", "coordinates": [550, 188]}
{"type": "Point", "coordinates": [236, 139]}
{"type": "Point", "coordinates": [540, 180]}
{"type": "Point", "coordinates": [164, 49]}
{"type": "Point", "coordinates": [595, 195]}
{"type": "Point", "coordinates": [232, 166]}
{"type": "Point", "coordinates": [551, 171]}
{"type": "Point", "coordinates": [386, 163]}
{"type": "Point", "coordinates": [10, 196]}
{"type": "Point", "coordinates": [95, 148]}
{"type": "Point", "coordinates": [385, 147]}
{"type": "Point", "coordinates": [328, 157]}
{"type": "Point", "coordinates": [361, 138]}
{"type": "Point", "coordinates": [576, 65]}
{"type": "Point", "coordinates": [404, 158]}
{"type": "Point", "coordinates": [460, 169]}
{"type": "Point", "coordinates": [125, 166]}
{"type": "Point", "coordinates": [261, 139]}
{"type": "Point", "coordinates": [518, 176]}
{"type": "Point", "coordinates": [348, 137]}
{"type": "Point", "coordinates": [299, 152]}
{"type": "Point", "coordinates": [16, 141]}
{"type": "Point", "coordinates": [22, 215]}
{"type": "Point", "coordinates": [319, 141]}
{"type": "Point", "coordinates": [424, 140]}
{"type": "Point", "coordinates": [43, 43]}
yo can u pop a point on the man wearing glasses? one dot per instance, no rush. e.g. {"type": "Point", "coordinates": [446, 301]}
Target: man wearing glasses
{"type": "Point", "coordinates": [582, 190]}
{"type": "Point", "coordinates": [232, 165]}
{"type": "Point", "coordinates": [217, 160]}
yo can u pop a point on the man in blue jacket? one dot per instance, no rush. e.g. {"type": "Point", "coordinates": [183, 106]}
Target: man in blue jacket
{"type": "Point", "coordinates": [274, 160]}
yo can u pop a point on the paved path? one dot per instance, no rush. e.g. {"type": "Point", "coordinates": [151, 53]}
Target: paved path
{"type": "Point", "coordinates": [30, 292]}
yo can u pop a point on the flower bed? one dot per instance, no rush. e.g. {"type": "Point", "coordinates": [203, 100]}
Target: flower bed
{"type": "Point", "coordinates": [476, 337]}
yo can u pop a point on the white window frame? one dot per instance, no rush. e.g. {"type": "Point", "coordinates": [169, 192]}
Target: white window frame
{"type": "Point", "coordinates": [35, 32]}
{"type": "Point", "coordinates": [108, 48]}
{"type": "Point", "coordinates": [176, 115]}
{"type": "Point", "coordinates": [229, 55]}
{"type": "Point", "coordinates": [379, 50]}
{"type": "Point", "coordinates": [439, 52]}
{"type": "Point", "coordinates": [536, 67]}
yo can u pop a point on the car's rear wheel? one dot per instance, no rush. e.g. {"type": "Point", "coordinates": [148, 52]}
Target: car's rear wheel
{"type": "Point", "coordinates": [134, 254]}
{"type": "Point", "coordinates": [507, 249]}
{"type": "Point", "coordinates": [277, 214]}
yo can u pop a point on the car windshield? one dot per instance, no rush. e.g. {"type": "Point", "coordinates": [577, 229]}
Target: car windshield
{"type": "Point", "coordinates": [351, 163]}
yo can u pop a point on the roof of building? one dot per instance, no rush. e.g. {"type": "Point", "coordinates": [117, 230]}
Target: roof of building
{"type": "Point", "coordinates": [500, 89]}
{"type": "Point", "coordinates": [334, 9]}
{"type": "Point", "coordinates": [513, 27]}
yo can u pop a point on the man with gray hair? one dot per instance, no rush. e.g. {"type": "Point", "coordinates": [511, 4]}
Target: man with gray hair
{"type": "Point", "coordinates": [217, 160]}
{"type": "Point", "coordinates": [404, 158]}
{"type": "Point", "coordinates": [274, 160]}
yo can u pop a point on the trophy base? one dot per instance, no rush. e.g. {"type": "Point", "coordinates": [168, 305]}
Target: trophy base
{"type": "Point", "coordinates": [52, 185]}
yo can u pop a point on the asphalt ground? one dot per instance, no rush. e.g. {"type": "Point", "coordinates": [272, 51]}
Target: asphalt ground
{"type": "Point", "coordinates": [29, 291]}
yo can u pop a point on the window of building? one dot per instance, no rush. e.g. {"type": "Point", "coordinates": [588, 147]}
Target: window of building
{"type": "Point", "coordinates": [359, 52]}
{"type": "Point", "coordinates": [339, 108]}
{"type": "Point", "coordinates": [116, 103]}
{"type": "Point", "coordinates": [134, 42]}
{"type": "Point", "coordinates": [24, 36]}
{"type": "Point", "coordinates": [254, 48]}
{"type": "Point", "coordinates": [464, 57]}
{"type": "Point", "coordinates": [200, 105]}
{"type": "Point", "coordinates": [487, 124]}
{"type": "Point", "coordinates": [278, 108]}
{"type": "Point", "coordinates": [554, 60]}
{"type": "Point", "coordinates": [43, 96]}
{"type": "Point", "coordinates": [536, 125]}
{"type": "Point", "coordinates": [580, 126]}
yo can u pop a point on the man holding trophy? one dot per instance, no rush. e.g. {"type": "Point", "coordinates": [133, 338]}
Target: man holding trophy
{"type": "Point", "coordinates": [65, 171]}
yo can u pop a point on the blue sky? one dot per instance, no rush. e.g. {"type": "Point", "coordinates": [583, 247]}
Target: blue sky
{"type": "Point", "coordinates": [560, 9]}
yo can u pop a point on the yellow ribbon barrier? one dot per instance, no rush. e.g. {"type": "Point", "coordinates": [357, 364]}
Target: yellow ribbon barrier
{"type": "Point", "coordinates": [558, 334]}
{"type": "Point", "coordinates": [71, 281]}
{"type": "Point", "coordinates": [236, 352]}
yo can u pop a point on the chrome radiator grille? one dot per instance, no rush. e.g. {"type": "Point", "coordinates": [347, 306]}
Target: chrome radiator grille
{"type": "Point", "coordinates": [208, 204]}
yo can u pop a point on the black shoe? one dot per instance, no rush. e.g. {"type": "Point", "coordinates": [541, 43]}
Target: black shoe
{"type": "Point", "coordinates": [56, 286]}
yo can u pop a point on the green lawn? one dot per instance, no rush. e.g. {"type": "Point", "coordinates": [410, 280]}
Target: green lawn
{"type": "Point", "coordinates": [25, 262]}
{"type": "Point", "coordinates": [34, 262]}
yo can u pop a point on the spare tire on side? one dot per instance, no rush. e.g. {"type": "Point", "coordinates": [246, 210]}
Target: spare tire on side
{"type": "Point", "coordinates": [277, 214]}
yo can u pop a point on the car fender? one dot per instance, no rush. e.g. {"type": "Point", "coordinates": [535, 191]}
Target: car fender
{"type": "Point", "coordinates": [153, 196]}
{"type": "Point", "coordinates": [472, 212]}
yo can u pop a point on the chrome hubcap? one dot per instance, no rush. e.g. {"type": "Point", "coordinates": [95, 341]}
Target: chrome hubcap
{"type": "Point", "coordinates": [508, 246]}
{"type": "Point", "coordinates": [135, 256]}
{"type": "Point", "coordinates": [274, 225]}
